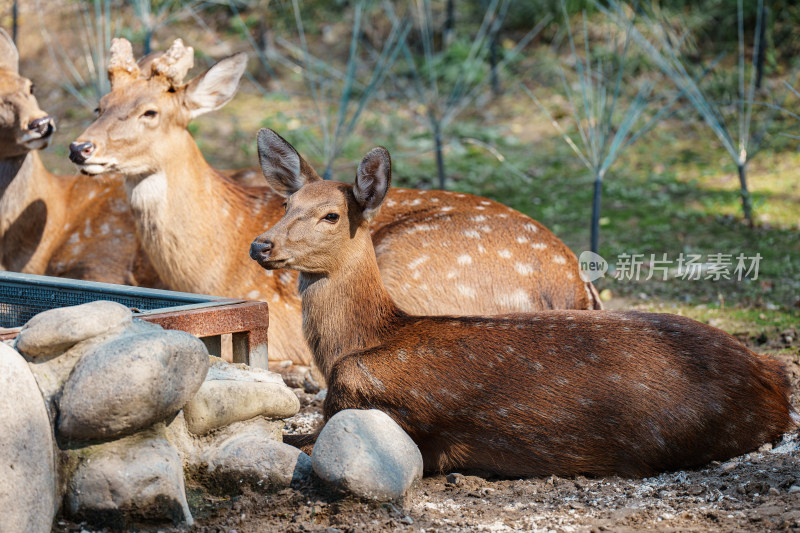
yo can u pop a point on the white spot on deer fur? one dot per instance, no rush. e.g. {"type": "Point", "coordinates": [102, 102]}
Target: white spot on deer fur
{"type": "Point", "coordinates": [451, 274]}
{"type": "Point", "coordinates": [524, 269]}
{"type": "Point", "coordinates": [522, 240]}
{"type": "Point", "coordinates": [559, 259]}
{"type": "Point", "coordinates": [434, 199]}
{"type": "Point", "coordinates": [447, 208]}
{"type": "Point", "coordinates": [465, 259]}
{"type": "Point", "coordinates": [479, 207]}
{"type": "Point", "coordinates": [503, 215]}
{"type": "Point", "coordinates": [416, 201]}
{"type": "Point", "coordinates": [467, 292]}
{"type": "Point", "coordinates": [74, 238]}
{"type": "Point", "coordinates": [481, 249]}
{"type": "Point", "coordinates": [538, 245]}
{"type": "Point", "coordinates": [276, 298]}
{"type": "Point", "coordinates": [484, 202]}
{"type": "Point", "coordinates": [479, 218]}
{"type": "Point", "coordinates": [105, 229]}
{"type": "Point", "coordinates": [531, 227]}
{"type": "Point", "coordinates": [472, 234]}
{"type": "Point", "coordinates": [416, 275]}
{"type": "Point", "coordinates": [418, 261]}
{"type": "Point", "coordinates": [422, 191]}
{"type": "Point", "coordinates": [91, 195]}
{"type": "Point", "coordinates": [253, 295]}
{"type": "Point", "coordinates": [505, 254]}
{"type": "Point", "coordinates": [87, 230]}
{"type": "Point", "coordinates": [502, 412]}
{"type": "Point", "coordinates": [517, 300]}
{"type": "Point", "coordinates": [390, 203]}
{"type": "Point", "coordinates": [485, 229]}
{"type": "Point", "coordinates": [459, 195]}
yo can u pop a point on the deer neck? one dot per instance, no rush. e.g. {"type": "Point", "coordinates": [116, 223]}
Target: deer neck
{"type": "Point", "coordinates": [186, 216]}
{"type": "Point", "coordinates": [347, 310]}
{"type": "Point", "coordinates": [26, 190]}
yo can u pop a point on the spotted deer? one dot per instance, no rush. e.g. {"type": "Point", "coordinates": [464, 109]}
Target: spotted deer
{"type": "Point", "coordinates": [439, 252]}
{"type": "Point", "coordinates": [551, 392]}
{"type": "Point", "coordinates": [50, 224]}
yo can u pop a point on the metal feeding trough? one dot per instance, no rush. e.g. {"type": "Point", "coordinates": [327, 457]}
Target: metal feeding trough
{"type": "Point", "coordinates": [209, 317]}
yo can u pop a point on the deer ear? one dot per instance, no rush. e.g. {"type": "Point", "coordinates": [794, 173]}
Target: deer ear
{"type": "Point", "coordinates": [283, 168]}
{"type": "Point", "coordinates": [372, 181]}
{"type": "Point", "coordinates": [216, 86]}
{"type": "Point", "coordinates": [9, 56]}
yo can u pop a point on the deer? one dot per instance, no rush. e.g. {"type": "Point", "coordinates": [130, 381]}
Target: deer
{"type": "Point", "coordinates": [560, 392]}
{"type": "Point", "coordinates": [439, 252]}
{"type": "Point", "coordinates": [51, 224]}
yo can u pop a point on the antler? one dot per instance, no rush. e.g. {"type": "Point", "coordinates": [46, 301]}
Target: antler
{"type": "Point", "coordinates": [121, 66]}
{"type": "Point", "coordinates": [173, 64]}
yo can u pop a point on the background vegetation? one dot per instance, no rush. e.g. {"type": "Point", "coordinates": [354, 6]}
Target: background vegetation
{"type": "Point", "coordinates": [446, 86]}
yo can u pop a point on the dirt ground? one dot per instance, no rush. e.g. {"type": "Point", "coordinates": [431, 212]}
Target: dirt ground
{"type": "Point", "coordinates": [759, 491]}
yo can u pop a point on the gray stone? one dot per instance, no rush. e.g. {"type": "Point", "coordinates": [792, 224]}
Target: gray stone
{"type": "Point", "coordinates": [368, 454]}
{"type": "Point", "coordinates": [234, 394]}
{"type": "Point", "coordinates": [27, 450]}
{"type": "Point", "coordinates": [131, 479]}
{"type": "Point", "coordinates": [130, 383]}
{"type": "Point", "coordinates": [54, 331]}
{"type": "Point", "coordinates": [254, 458]}
{"type": "Point", "coordinates": [51, 373]}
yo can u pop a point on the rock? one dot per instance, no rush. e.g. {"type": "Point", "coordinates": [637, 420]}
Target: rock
{"type": "Point", "coordinates": [51, 373]}
{"type": "Point", "coordinates": [256, 459]}
{"type": "Point", "coordinates": [131, 479]}
{"type": "Point", "coordinates": [54, 331]}
{"type": "Point", "coordinates": [233, 395]}
{"type": "Point", "coordinates": [368, 454]}
{"type": "Point", "coordinates": [27, 450]}
{"type": "Point", "coordinates": [794, 489]}
{"type": "Point", "coordinates": [130, 383]}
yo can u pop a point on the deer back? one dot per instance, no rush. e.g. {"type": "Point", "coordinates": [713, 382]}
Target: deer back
{"type": "Point", "coordinates": [567, 393]}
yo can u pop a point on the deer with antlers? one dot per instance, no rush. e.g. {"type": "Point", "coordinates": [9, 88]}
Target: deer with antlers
{"type": "Point", "coordinates": [552, 392]}
{"type": "Point", "coordinates": [438, 252]}
{"type": "Point", "coordinates": [57, 225]}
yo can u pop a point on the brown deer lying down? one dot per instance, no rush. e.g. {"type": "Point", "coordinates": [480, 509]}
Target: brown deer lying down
{"type": "Point", "coordinates": [554, 392]}
{"type": "Point", "coordinates": [57, 225]}
{"type": "Point", "coordinates": [438, 252]}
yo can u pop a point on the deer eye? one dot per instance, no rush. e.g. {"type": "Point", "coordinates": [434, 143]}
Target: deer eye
{"type": "Point", "coordinates": [284, 205]}
{"type": "Point", "coordinates": [96, 110]}
{"type": "Point", "coordinates": [32, 86]}
{"type": "Point", "coordinates": [150, 113]}
{"type": "Point", "coordinates": [332, 218]}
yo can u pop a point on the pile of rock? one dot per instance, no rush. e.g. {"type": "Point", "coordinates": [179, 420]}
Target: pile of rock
{"type": "Point", "coordinates": [109, 415]}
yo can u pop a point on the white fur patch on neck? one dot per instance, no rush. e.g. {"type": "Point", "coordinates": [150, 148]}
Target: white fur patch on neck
{"type": "Point", "coordinates": [146, 194]}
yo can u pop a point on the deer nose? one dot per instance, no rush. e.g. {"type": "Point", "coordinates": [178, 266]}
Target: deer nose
{"type": "Point", "coordinates": [44, 126]}
{"type": "Point", "coordinates": [260, 250]}
{"type": "Point", "coordinates": [80, 152]}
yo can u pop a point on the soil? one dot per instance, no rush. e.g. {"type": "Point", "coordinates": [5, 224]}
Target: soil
{"type": "Point", "coordinates": [759, 491]}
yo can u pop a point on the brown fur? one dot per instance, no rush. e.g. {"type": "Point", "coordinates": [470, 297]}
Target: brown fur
{"type": "Point", "coordinates": [552, 392]}
{"type": "Point", "coordinates": [57, 225]}
{"type": "Point", "coordinates": [471, 255]}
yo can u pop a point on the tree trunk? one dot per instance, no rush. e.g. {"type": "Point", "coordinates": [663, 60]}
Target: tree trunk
{"type": "Point", "coordinates": [598, 190]}
{"type": "Point", "coordinates": [437, 139]}
{"type": "Point", "coordinates": [762, 46]}
{"type": "Point", "coordinates": [747, 201]}
{"type": "Point", "coordinates": [14, 21]}
{"type": "Point", "coordinates": [449, 24]}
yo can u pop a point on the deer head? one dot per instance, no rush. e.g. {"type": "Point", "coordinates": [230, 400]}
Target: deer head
{"type": "Point", "coordinates": [145, 115]}
{"type": "Point", "coordinates": [323, 219]}
{"type": "Point", "coordinates": [23, 126]}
